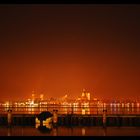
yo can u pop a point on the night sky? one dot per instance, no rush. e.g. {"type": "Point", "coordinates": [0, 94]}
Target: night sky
{"type": "Point", "coordinates": [61, 49]}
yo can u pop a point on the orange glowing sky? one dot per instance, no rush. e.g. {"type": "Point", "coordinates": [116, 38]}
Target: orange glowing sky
{"type": "Point", "coordinates": [59, 49]}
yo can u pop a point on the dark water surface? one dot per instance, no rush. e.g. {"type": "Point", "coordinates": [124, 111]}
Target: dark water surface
{"type": "Point", "coordinates": [69, 131]}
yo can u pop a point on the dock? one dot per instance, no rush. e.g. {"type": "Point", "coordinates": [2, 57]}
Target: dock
{"type": "Point", "coordinates": [76, 120]}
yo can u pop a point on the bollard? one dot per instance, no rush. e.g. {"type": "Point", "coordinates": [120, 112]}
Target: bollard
{"type": "Point", "coordinates": [55, 116]}
{"type": "Point", "coordinates": [9, 117]}
{"type": "Point", "coordinates": [104, 118]}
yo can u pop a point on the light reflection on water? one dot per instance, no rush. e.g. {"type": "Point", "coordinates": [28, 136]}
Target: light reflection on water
{"type": "Point", "coordinates": [70, 131]}
{"type": "Point", "coordinates": [74, 110]}
{"type": "Point", "coordinates": [111, 109]}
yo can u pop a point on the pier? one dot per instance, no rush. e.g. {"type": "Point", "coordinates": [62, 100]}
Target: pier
{"type": "Point", "coordinates": [76, 120]}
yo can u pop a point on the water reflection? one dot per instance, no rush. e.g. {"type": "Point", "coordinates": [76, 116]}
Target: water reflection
{"type": "Point", "coordinates": [72, 131]}
{"type": "Point", "coordinates": [9, 131]}
{"type": "Point", "coordinates": [44, 129]}
{"type": "Point", "coordinates": [69, 131]}
{"type": "Point", "coordinates": [104, 131]}
{"type": "Point", "coordinates": [22, 131]}
{"type": "Point", "coordinates": [55, 131]}
{"type": "Point", "coordinates": [83, 131]}
{"type": "Point", "coordinates": [113, 108]}
{"type": "Point", "coordinates": [88, 110]}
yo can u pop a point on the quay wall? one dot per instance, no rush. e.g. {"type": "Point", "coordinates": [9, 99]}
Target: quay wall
{"type": "Point", "coordinates": [76, 120]}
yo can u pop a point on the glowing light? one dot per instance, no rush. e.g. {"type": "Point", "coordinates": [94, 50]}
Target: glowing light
{"type": "Point", "coordinates": [37, 125]}
{"type": "Point", "coordinates": [115, 105]}
{"type": "Point", "coordinates": [128, 104]}
{"type": "Point", "coordinates": [118, 105]}
{"type": "Point", "coordinates": [132, 104]}
{"type": "Point", "coordinates": [122, 104]}
{"type": "Point", "coordinates": [7, 104]}
{"type": "Point", "coordinates": [41, 96]}
{"type": "Point", "coordinates": [83, 94]}
{"type": "Point", "coordinates": [95, 99]}
{"type": "Point", "coordinates": [83, 111]}
{"type": "Point", "coordinates": [66, 96]}
{"type": "Point", "coordinates": [104, 104]}
{"type": "Point", "coordinates": [37, 121]}
{"type": "Point", "coordinates": [47, 121]}
{"type": "Point", "coordinates": [88, 96]}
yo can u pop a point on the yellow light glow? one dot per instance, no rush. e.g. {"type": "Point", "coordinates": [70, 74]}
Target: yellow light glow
{"type": "Point", "coordinates": [37, 121]}
{"type": "Point", "coordinates": [83, 111]}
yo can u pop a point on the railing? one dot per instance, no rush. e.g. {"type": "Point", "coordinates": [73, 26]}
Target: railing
{"type": "Point", "coordinates": [73, 110]}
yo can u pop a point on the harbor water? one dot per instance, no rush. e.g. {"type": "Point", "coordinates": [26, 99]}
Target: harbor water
{"type": "Point", "coordinates": [69, 131]}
